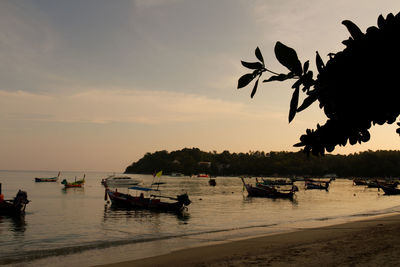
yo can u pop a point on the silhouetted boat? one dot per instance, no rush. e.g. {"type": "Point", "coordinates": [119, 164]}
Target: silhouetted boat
{"type": "Point", "coordinates": [76, 183]}
{"type": "Point", "coordinates": [153, 202]}
{"type": "Point", "coordinates": [360, 181]}
{"type": "Point", "coordinates": [390, 190]}
{"type": "Point", "coordinates": [317, 184]}
{"type": "Point", "coordinates": [379, 184]}
{"type": "Point", "coordinates": [15, 206]}
{"type": "Point", "coordinates": [261, 190]}
{"type": "Point", "coordinates": [49, 179]}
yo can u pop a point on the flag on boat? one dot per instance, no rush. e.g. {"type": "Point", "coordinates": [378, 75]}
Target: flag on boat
{"type": "Point", "coordinates": [158, 174]}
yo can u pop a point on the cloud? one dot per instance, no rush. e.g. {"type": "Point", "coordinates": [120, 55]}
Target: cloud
{"type": "Point", "coordinates": [121, 105]}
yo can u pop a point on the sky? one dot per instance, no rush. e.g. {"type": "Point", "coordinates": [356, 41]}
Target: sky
{"type": "Point", "coordinates": [94, 85]}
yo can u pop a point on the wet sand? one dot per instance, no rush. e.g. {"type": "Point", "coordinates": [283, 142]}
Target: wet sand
{"type": "Point", "coordinates": [371, 242]}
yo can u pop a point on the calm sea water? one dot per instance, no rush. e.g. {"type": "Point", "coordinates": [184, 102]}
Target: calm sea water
{"type": "Point", "coordinates": [76, 227]}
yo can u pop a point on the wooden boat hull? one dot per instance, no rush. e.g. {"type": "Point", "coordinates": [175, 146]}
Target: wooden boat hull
{"type": "Point", "coordinates": [389, 190]}
{"type": "Point", "coordinates": [128, 201]}
{"type": "Point", "coordinates": [360, 182]}
{"type": "Point", "coordinates": [72, 185]}
{"type": "Point", "coordinates": [53, 179]}
{"type": "Point", "coordinates": [321, 185]}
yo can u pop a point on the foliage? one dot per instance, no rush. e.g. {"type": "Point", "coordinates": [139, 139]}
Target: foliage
{"type": "Point", "coordinates": [356, 88]}
{"type": "Point", "coordinates": [256, 163]}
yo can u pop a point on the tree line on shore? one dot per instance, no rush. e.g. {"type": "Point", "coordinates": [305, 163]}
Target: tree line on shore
{"type": "Point", "coordinates": [189, 161]}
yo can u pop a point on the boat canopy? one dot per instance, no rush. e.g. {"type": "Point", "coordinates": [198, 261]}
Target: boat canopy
{"type": "Point", "coordinates": [142, 188]}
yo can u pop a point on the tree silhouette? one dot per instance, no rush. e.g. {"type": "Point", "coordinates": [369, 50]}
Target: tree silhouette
{"type": "Point", "coordinates": [357, 87]}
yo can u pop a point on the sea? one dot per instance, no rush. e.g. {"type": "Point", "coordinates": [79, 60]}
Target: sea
{"type": "Point", "coordinates": [78, 227]}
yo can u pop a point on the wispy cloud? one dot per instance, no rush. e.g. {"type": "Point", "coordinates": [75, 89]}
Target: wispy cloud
{"type": "Point", "coordinates": [121, 105]}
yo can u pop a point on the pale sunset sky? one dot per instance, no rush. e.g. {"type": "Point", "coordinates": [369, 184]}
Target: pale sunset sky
{"type": "Point", "coordinates": [94, 85]}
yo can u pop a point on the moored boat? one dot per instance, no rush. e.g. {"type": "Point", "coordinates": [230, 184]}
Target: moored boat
{"type": "Point", "coordinates": [119, 181]}
{"type": "Point", "coordinates": [390, 190]}
{"type": "Point", "coordinates": [15, 206]}
{"type": "Point", "coordinates": [48, 179]}
{"type": "Point", "coordinates": [379, 183]}
{"type": "Point", "coordinates": [317, 184]}
{"type": "Point", "coordinates": [360, 181]}
{"type": "Point", "coordinates": [261, 190]}
{"type": "Point", "coordinates": [154, 201]}
{"type": "Point", "coordinates": [76, 183]}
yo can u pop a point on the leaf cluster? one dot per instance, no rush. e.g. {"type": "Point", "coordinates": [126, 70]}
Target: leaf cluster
{"type": "Point", "coordinates": [356, 88]}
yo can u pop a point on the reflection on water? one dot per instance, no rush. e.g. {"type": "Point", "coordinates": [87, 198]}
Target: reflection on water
{"type": "Point", "coordinates": [61, 221]}
{"type": "Point", "coordinates": [73, 190]}
{"type": "Point", "coordinates": [15, 223]}
{"type": "Point", "coordinates": [112, 212]}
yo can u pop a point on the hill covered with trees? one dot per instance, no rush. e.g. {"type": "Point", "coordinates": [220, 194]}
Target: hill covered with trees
{"type": "Point", "coordinates": [190, 161]}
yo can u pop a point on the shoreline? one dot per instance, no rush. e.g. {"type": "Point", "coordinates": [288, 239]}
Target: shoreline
{"type": "Point", "coordinates": [371, 241]}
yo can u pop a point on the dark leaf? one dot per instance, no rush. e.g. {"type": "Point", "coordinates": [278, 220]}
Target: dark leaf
{"type": "Point", "coordinates": [288, 57]}
{"type": "Point", "coordinates": [245, 80]}
{"type": "Point", "coordinates": [259, 55]}
{"type": "Point", "coordinates": [353, 29]}
{"type": "Point", "coordinates": [280, 77]}
{"type": "Point", "coordinates": [307, 102]}
{"type": "Point", "coordinates": [252, 65]}
{"type": "Point", "coordinates": [347, 42]}
{"type": "Point", "coordinates": [381, 22]}
{"type": "Point", "coordinates": [319, 62]}
{"type": "Point", "coordinates": [297, 83]}
{"type": "Point", "coordinates": [254, 89]}
{"type": "Point", "coordinates": [306, 65]}
{"type": "Point", "coordinates": [293, 104]}
{"type": "Point", "coordinates": [299, 144]}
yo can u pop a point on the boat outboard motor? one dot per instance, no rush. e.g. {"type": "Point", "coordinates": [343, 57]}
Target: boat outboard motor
{"type": "Point", "coordinates": [184, 198]}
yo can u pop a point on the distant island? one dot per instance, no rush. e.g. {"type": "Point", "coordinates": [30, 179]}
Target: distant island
{"type": "Point", "coordinates": [189, 161]}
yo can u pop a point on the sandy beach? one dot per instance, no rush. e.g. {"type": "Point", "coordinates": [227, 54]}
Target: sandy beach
{"type": "Point", "coordinates": [371, 242]}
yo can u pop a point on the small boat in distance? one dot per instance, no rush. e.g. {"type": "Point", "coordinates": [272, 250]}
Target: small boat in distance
{"type": "Point", "coordinates": [14, 206]}
{"type": "Point", "coordinates": [76, 183]}
{"type": "Point", "coordinates": [50, 179]}
{"type": "Point", "coordinates": [119, 181]}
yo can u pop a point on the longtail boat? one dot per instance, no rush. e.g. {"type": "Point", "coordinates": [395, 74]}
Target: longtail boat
{"type": "Point", "coordinates": [155, 201]}
{"type": "Point", "coordinates": [389, 190]}
{"type": "Point", "coordinates": [49, 179]}
{"type": "Point", "coordinates": [379, 184]}
{"type": "Point", "coordinates": [317, 184]}
{"type": "Point", "coordinates": [15, 206]}
{"type": "Point", "coordinates": [261, 190]}
{"type": "Point", "coordinates": [76, 183]}
{"type": "Point", "coordinates": [360, 181]}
